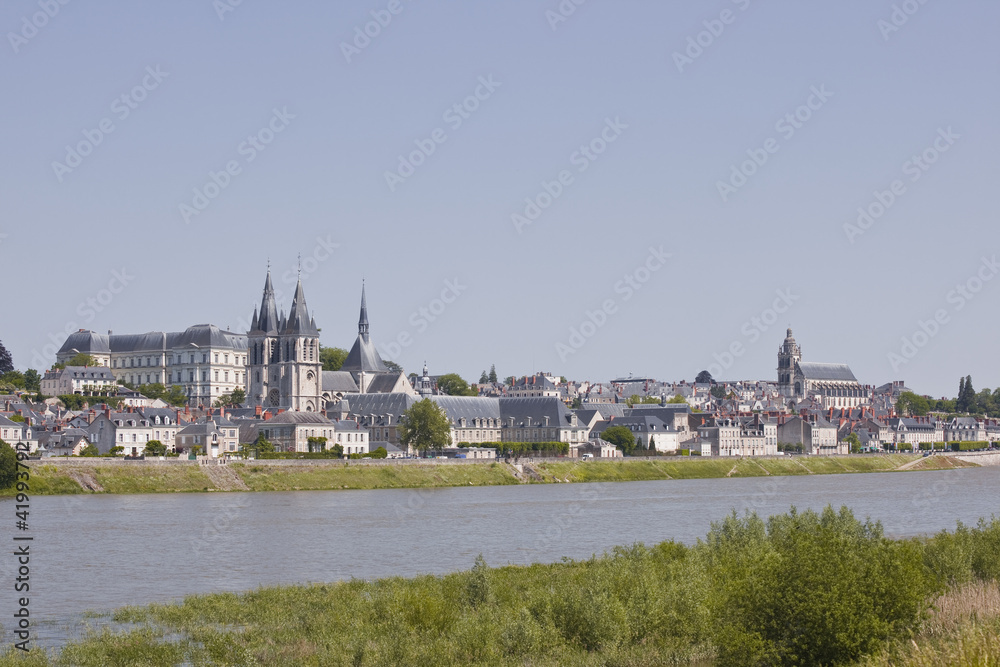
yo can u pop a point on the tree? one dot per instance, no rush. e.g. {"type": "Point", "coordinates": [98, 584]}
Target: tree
{"type": "Point", "coordinates": [32, 380]}
{"type": "Point", "coordinates": [90, 450]}
{"type": "Point", "coordinates": [8, 465]}
{"type": "Point", "coordinates": [239, 396]}
{"type": "Point", "coordinates": [232, 399]}
{"type": "Point", "coordinates": [425, 426]}
{"type": "Point", "coordinates": [337, 450]}
{"type": "Point", "coordinates": [154, 448]}
{"type": "Point", "coordinates": [677, 399]}
{"type": "Point", "coordinates": [854, 441]}
{"type": "Point", "coordinates": [969, 396]}
{"type": "Point", "coordinates": [704, 377]}
{"type": "Point", "coordinates": [393, 366]}
{"type": "Point", "coordinates": [380, 453]}
{"type": "Point", "coordinates": [6, 363]}
{"type": "Point", "coordinates": [117, 450]}
{"type": "Point", "coordinates": [718, 391]}
{"type": "Point", "coordinates": [332, 358]}
{"type": "Point", "coordinates": [909, 403]}
{"type": "Point", "coordinates": [175, 396]}
{"type": "Point", "coordinates": [153, 390]}
{"type": "Point", "coordinates": [453, 385]}
{"type": "Point", "coordinates": [635, 399]}
{"type": "Point", "coordinates": [82, 359]}
{"type": "Point", "coordinates": [576, 404]}
{"type": "Point", "coordinates": [316, 444]}
{"type": "Point", "coordinates": [483, 378]}
{"type": "Point", "coordinates": [493, 374]}
{"type": "Point", "coordinates": [13, 378]}
{"type": "Point", "coordinates": [620, 436]}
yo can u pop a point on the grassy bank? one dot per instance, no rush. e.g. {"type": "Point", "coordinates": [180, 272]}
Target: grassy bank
{"type": "Point", "coordinates": [798, 589]}
{"type": "Point", "coordinates": [81, 476]}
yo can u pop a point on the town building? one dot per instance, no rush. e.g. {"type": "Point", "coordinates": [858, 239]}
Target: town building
{"type": "Point", "coordinates": [832, 385]}
{"type": "Point", "coordinates": [82, 380]}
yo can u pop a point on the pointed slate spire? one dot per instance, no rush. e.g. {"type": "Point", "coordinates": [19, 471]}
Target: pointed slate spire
{"type": "Point", "coordinates": [298, 319]}
{"type": "Point", "coordinates": [253, 323]}
{"type": "Point", "coordinates": [268, 322]}
{"type": "Point", "coordinates": [363, 320]}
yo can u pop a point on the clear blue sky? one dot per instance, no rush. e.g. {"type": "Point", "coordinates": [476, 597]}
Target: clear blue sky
{"type": "Point", "coordinates": [520, 292]}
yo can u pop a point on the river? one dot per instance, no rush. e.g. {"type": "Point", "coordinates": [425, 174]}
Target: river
{"type": "Point", "coordinates": [99, 552]}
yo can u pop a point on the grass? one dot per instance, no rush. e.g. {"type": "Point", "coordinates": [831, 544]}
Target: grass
{"type": "Point", "coordinates": [53, 479]}
{"type": "Point", "coordinates": [876, 600]}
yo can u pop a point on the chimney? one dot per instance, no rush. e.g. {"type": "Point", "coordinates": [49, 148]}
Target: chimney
{"type": "Point", "coordinates": [107, 411]}
{"type": "Point", "coordinates": [257, 411]}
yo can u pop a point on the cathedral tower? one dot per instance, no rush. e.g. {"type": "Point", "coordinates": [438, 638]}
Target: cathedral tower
{"type": "Point", "coordinates": [789, 354]}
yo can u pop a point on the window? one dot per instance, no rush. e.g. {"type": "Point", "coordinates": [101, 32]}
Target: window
{"type": "Point", "coordinates": [225, 358]}
{"type": "Point", "coordinates": [216, 357]}
{"type": "Point", "coordinates": [225, 376]}
{"type": "Point", "coordinates": [216, 376]}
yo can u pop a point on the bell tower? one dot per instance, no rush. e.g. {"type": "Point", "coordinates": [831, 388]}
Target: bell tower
{"type": "Point", "coordinates": [789, 354]}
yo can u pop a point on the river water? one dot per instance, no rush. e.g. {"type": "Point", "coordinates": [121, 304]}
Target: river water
{"type": "Point", "coordinates": [105, 551]}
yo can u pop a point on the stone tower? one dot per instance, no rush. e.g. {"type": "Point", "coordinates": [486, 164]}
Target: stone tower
{"type": "Point", "coordinates": [284, 370]}
{"type": "Point", "coordinates": [789, 354]}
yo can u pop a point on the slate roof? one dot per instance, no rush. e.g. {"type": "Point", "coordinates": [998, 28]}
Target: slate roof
{"type": "Point", "coordinates": [662, 411]}
{"type": "Point", "coordinates": [339, 381]}
{"type": "Point", "coordinates": [299, 418]}
{"type": "Point", "coordinates": [608, 409]}
{"type": "Point", "coordinates": [537, 408]}
{"type": "Point", "coordinates": [469, 407]}
{"type": "Point", "coordinates": [299, 321]}
{"type": "Point", "coordinates": [385, 382]}
{"type": "Point", "coordinates": [830, 372]}
{"type": "Point", "coordinates": [363, 357]}
{"type": "Point", "coordinates": [379, 405]}
{"type": "Point", "coordinates": [86, 341]}
{"type": "Point", "coordinates": [82, 373]}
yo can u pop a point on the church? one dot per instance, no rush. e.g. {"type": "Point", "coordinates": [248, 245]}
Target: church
{"type": "Point", "coordinates": [833, 385]}
{"type": "Point", "coordinates": [284, 370]}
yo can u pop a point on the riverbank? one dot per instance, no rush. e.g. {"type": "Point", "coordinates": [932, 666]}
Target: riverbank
{"type": "Point", "coordinates": [876, 601]}
{"type": "Point", "coordinates": [84, 476]}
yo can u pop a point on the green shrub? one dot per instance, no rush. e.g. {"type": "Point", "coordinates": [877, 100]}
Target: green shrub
{"type": "Point", "coordinates": [811, 589]}
{"type": "Point", "coordinates": [969, 446]}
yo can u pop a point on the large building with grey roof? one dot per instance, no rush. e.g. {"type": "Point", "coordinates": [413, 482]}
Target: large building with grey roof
{"type": "Point", "coordinates": [204, 360]}
{"type": "Point", "coordinates": [831, 385]}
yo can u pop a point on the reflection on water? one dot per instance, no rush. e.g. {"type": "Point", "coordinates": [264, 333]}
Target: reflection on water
{"type": "Point", "coordinates": [103, 552]}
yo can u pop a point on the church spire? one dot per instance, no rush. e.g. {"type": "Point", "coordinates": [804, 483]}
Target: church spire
{"type": "Point", "coordinates": [268, 322]}
{"type": "Point", "coordinates": [299, 321]}
{"type": "Point", "coordinates": [363, 320]}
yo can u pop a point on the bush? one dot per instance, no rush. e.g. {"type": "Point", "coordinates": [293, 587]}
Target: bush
{"type": "Point", "coordinates": [523, 448]}
{"type": "Point", "coordinates": [936, 446]}
{"type": "Point", "coordinates": [969, 446]}
{"type": "Point", "coordinates": [811, 589]}
{"type": "Point", "coordinates": [8, 465]}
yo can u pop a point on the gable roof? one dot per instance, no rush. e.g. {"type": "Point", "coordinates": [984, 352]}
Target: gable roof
{"type": "Point", "coordinates": [832, 372]}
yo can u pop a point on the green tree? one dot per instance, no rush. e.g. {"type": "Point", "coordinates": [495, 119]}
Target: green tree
{"type": "Point", "coordinates": [117, 450]}
{"type": "Point", "coordinates": [175, 396]}
{"type": "Point", "coordinates": [620, 436]}
{"type": "Point", "coordinates": [968, 395]}
{"type": "Point", "coordinates": [392, 366]}
{"type": "Point", "coordinates": [154, 448]}
{"type": "Point", "coordinates": [718, 391]}
{"type": "Point", "coordinates": [316, 444]}
{"type": "Point", "coordinates": [332, 358]}
{"type": "Point", "coordinates": [635, 399]}
{"type": "Point", "coordinates": [337, 450]}
{"type": "Point", "coordinates": [32, 380]}
{"type": "Point", "coordinates": [425, 426]}
{"type": "Point", "coordinates": [153, 390]}
{"type": "Point", "coordinates": [8, 465]}
{"type": "Point", "coordinates": [14, 379]}
{"type": "Point", "coordinates": [677, 399]}
{"type": "Point", "coordinates": [6, 362]}
{"type": "Point", "coordinates": [239, 396]}
{"type": "Point", "coordinates": [16, 418]}
{"type": "Point", "coordinates": [90, 450]}
{"type": "Point", "coordinates": [909, 403]}
{"type": "Point", "coordinates": [82, 359]}
{"type": "Point", "coordinates": [453, 385]}
{"type": "Point", "coordinates": [493, 374]}
{"type": "Point", "coordinates": [854, 441]}
{"type": "Point", "coordinates": [704, 377]}
{"type": "Point", "coordinates": [380, 453]}
{"type": "Point", "coordinates": [483, 378]}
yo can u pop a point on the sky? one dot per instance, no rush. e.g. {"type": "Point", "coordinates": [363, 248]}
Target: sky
{"type": "Point", "coordinates": [585, 188]}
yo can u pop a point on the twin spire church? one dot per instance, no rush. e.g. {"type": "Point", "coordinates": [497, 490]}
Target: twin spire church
{"type": "Point", "coordinates": [283, 363]}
